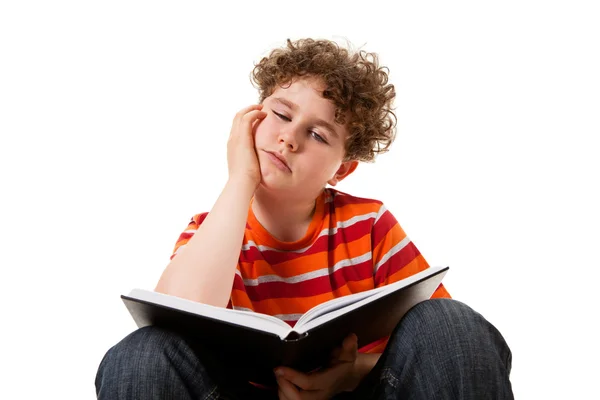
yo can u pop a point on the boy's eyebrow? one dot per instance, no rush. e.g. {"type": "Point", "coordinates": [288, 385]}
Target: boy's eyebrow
{"type": "Point", "coordinates": [320, 122]}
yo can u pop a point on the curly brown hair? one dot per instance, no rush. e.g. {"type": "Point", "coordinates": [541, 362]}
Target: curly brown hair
{"type": "Point", "coordinates": [354, 82]}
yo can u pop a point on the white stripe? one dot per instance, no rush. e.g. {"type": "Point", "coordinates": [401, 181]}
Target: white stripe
{"type": "Point", "coordinates": [190, 231]}
{"type": "Point", "coordinates": [352, 261]}
{"type": "Point", "coordinates": [350, 222]}
{"type": "Point", "coordinates": [380, 213]}
{"type": "Point", "coordinates": [392, 251]}
{"type": "Point", "coordinates": [291, 279]}
{"type": "Point", "coordinates": [180, 248]}
{"type": "Point", "coordinates": [309, 275]}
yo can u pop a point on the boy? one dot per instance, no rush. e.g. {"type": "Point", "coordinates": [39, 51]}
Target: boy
{"type": "Point", "coordinates": [322, 110]}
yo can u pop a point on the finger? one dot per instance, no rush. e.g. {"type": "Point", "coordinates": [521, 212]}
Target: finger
{"type": "Point", "coordinates": [345, 343]}
{"type": "Point", "coordinates": [281, 395]}
{"type": "Point", "coordinates": [246, 110]}
{"type": "Point", "coordinates": [335, 353]}
{"type": "Point", "coordinates": [240, 114]}
{"type": "Point", "coordinates": [349, 348]}
{"type": "Point", "coordinates": [252, 116]}
{"type": "Point", "coordinates": [351, 342]}
{"type": "Point", "coordinates": [287, 390]}
{"type": "Point", "coordinates": [256, 123]}
{"type": "Point", "coordinates": [314, 382]}
{"type": "Point", "coordinates": [303, 381]}
{"type": "Point", "coordinates": [245, 124]}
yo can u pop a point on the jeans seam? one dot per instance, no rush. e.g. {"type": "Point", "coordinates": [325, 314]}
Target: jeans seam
{"type": "Point", "coordinates": [213, 395]}
{"type": "Point", "coordinates": [389, 377]}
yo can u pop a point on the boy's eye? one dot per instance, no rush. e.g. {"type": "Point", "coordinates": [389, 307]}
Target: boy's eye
{"type": "Point", "coordinates": [318, 137]}
{"type": "Point", "coordinates": [281, 116]}
{"type": "Point", "coordinates": [314, 134]}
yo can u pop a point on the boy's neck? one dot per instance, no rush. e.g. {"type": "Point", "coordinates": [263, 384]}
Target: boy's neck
{"type": "Point", "coordinates": [286, 219]}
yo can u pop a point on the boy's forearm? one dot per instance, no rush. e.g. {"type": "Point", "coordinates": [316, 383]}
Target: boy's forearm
{"type": "Point", "coordinates": [205, 268]}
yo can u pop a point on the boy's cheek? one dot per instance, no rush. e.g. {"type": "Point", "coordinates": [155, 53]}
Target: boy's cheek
{"type": "Point", "coordinates": [257, 126]}
{"type": "Point", "coordinates": [261, 132]}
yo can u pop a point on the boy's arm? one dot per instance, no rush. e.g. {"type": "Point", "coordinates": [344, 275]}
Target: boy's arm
{"type": "Point", "coordinates": [204, 270]}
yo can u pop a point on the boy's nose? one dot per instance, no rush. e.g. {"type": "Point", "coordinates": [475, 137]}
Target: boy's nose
{"type": "Point", "coordinates": [288, 137]}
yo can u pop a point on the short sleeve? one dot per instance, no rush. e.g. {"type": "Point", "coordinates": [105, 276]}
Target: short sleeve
{"type": "Point", "coordinates": [187, 234]}
{"type": "Point", "coordinates": [395, 256]}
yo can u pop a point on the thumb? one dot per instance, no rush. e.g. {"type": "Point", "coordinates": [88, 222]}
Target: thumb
{"type": "Point", "coordinates": [349, 348]}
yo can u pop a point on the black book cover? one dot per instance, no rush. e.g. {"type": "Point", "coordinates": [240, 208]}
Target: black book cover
{"type": "Point", "coordinates": [256, 353]}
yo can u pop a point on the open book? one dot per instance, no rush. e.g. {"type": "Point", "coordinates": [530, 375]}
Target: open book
{"type": "Point", "coordinates": [256, 343]}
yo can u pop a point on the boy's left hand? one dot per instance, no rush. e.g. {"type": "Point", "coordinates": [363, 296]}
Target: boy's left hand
{"type": "Point", "coordinates": [340, 376]}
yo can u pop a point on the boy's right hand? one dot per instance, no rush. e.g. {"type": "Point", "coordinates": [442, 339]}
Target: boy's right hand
{"type": "Point", "coordinates": [242, 160]}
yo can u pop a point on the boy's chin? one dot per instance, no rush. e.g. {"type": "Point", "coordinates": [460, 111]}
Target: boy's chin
{"type": "Point", "coordinates": [276, 189]}
{"type": "Point", "coordinates": [275, 185]}
{"type": "Point", "coordinates": [272, 184]}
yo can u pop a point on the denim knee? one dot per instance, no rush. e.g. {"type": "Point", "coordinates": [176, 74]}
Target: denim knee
{"type": "Point", "coordinates": [430, 315]}
{"type": "Point", "coordinates": [445, 320]}
{"type": "Point", "coordinates": [443, 349]}
{"type": "Point", "coordinates": [140, 350]}
{"type": "Point", "coordinates": [154, 359]}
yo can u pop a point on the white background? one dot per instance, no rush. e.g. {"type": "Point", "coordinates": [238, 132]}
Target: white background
{"type": "Point", "coordinates": [114, 117]}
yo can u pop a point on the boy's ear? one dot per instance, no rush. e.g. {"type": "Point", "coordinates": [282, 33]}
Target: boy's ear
{"type": "Point", "coordinates": [343, 171]}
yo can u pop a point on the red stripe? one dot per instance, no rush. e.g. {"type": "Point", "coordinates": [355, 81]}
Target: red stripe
{"type": "Point", "coordinates": [185, 236]}
{"type": "Point", "coordinates": [385, 223]}
{"type": "Point", "coordinates": [199, 218]}
{"type": "Point", "coordinates": [396, 262]}
{"type": "Point", "coordinates": [195, 222]}
{"type": "Point", "coordinates": [370, 346]}
{"type": "Point", "coordinates": [343, 199]}
{"type": "Point", "coordinates": [311, 287]}
{"type": "Point", "coordinates": [238, 283]}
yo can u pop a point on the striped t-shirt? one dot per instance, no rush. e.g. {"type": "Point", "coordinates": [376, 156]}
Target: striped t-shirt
{"type": "Point", "coordinates": [351, 245]}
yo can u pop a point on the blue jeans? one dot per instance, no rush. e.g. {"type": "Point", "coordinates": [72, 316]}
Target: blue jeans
{"type": "Point", "coordinates": [441, 349]}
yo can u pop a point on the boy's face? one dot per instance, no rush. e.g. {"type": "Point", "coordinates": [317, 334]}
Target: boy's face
{"type": "Point", "coordinates": [299, 146]}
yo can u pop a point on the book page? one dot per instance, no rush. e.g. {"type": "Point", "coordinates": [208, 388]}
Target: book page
{"type": "Point", "coordinates": [332, 309]}
{"type": "Point", "coordinates": [250, 319]}
{"type": "Point", "coordinates": [335, 304]}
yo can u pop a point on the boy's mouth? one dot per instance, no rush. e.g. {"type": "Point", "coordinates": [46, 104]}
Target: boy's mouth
{"type": "Point", "coordinates": [279, 161]}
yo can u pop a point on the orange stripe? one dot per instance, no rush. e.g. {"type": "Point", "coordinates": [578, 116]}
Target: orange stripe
{"type": "Point", "coordinates": [417, 265]}
{"type": "Point", "coordinates": [392, 238]}
{"type": "Point", "coordinates": [239, 298]}
{"type": "Point", "coordinates": [193, 225]}
{"type": "Point", "coordinates": [441, 292]}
